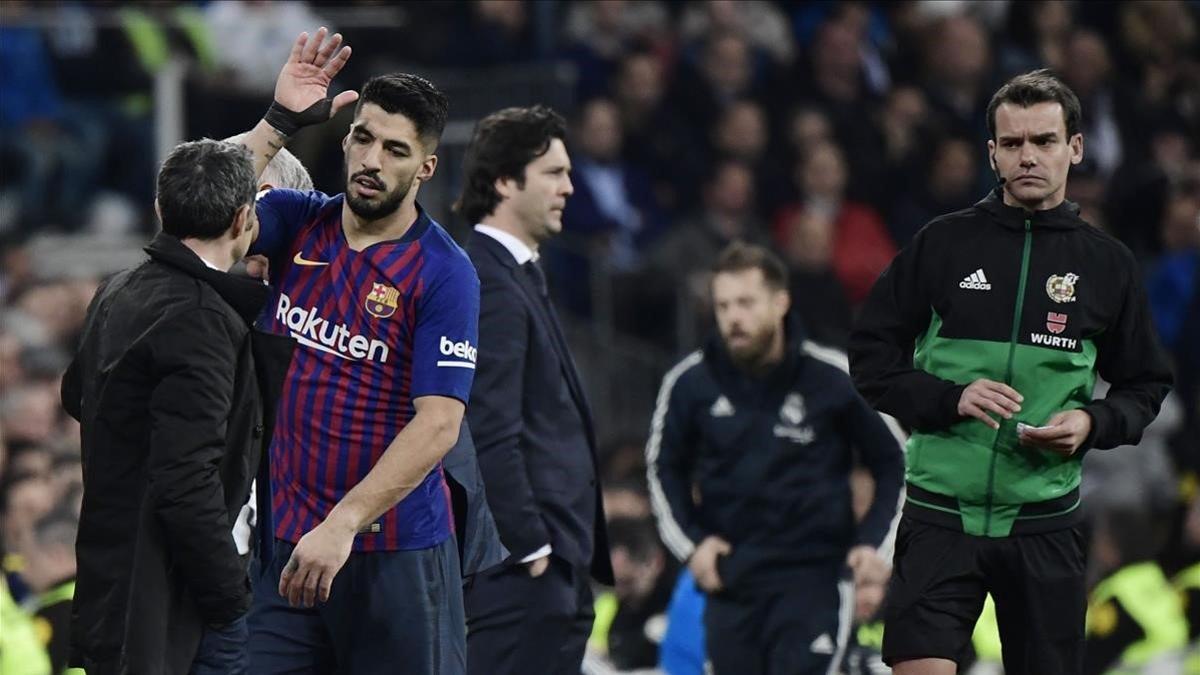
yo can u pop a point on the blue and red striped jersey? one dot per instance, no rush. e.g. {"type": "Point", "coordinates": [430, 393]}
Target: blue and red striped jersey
{"type": "Point", "coordinates": [376, 329]}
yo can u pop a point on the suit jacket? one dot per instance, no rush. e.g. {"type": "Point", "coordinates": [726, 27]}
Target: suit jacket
{"type": "Point", "coordinates": [531, 421]}
{"type": "Point", "coordinates": [174, 393]}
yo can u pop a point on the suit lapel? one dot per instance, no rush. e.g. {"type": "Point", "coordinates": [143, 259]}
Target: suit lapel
{"type": "Point", "coordinates": [548, 323]}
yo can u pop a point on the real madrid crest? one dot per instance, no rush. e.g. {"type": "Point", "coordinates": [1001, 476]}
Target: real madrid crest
{"type": "Point", "coordinates": [382, 301]}
{"type": "Point", "coordinates": [792, 411]}
{"type": "Point", "coordinates": [1062, 289]}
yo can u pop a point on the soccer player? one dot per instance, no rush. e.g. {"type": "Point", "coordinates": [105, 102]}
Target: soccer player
{"type": "Point", "coordinates": [384, 307]}
{"type": "Point", "coordinates": [985, 336]}
{"type": "Point", "coordinates": [749, 461]}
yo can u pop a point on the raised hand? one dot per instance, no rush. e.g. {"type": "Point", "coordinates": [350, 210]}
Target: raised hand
{"type": "Point", "coordinates": [310, 68]}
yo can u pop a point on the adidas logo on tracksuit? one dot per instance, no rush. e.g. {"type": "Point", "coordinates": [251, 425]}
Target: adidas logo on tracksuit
{"type": "Point", "coordinates": [976, 281]}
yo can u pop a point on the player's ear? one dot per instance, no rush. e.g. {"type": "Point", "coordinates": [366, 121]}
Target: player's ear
{"type": "Point", "coordinates": [241, 221]}
{"type": "Point", "coordinates": [992, 155]}
{"type": "Point", "coordinates": [1076, 148]}
{"type": "Point", "coordinates": [428, 167]}
{"type": "Point", "coordinates": [505, 186]}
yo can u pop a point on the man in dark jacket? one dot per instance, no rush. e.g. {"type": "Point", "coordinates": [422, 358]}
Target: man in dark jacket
{"type": "Point", "coordinates": [749, 458]}
{"type": "Point", "coordinates": [173, 392]}
{"type": "Point", "coordinates": [531, 420]}
{"type": "Point", "coordinates": [986, 335]}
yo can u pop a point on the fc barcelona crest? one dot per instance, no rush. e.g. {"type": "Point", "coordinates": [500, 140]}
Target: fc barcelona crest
{"type": "Point", "coordinates": [382, 301]}
{"type": "Point", "coordinates": [1062, 289]}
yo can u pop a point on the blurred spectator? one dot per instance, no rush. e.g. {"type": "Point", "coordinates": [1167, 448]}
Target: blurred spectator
{"type": "Point", "coordinates": [250, 38]}
{"type": "Point", "coordinates": [762, 24]}
{"type": "Point", "coordinates": [807, 127]}
{"type": "Point", "coordinates": [1035, 36]}
{"type": "Point", "coordinates": [1140, 191]}
{"type": "Point", "coordinates": [630, 619]}
{"type": "Point", "coordinates": [946, 185]}
{"type": "Point", "coordinates": [722, 73]}
{"type": "Point", "coordinates": [1172, 277]}
{"type": "Point", "coordinates": [495, 32]}
{"type": "Point", "coordinates": [21, 653]}
{"type": "Point", "coordinates": [1135, 622]}
{"type": "Point", "coordinates": [742, 133]}
{"type": "Point", "coordinates": [956, 78]}
{"type": "Point", "coordinates": [904, 126]}
{"type": "Point", "coordinates": [1086, 68]}
{"type": "Point", "coordinates": [825, 227]}
{"type": "Point", "coordinates": [683, 257]}
{"type": "Point", "coordinates": [600, 33]}
{"type": "Point", "coordinates": [834, 81]}
{"type": "Point", "coordinates": [53, 165]}
{"type": "Point", "coordinates": [653, 136]}
{"type": "Point", "coordinates": [30, 413]}
{"type": "Point", "coordinates": [1161, 40]}
{"type": "Point", "coordinates": [613, 211]}
{"type": "Point", "coordinates": [50, 571]}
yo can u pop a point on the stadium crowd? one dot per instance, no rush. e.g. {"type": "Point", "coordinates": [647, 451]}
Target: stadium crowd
{"type": "Point", "coordinates": [831, 131]}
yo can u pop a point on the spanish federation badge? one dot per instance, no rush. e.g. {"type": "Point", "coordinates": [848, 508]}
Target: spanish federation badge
{"type": "Point", "coordinates": [382, 301]}
{"type": "Point", "coordinates": [1062, 289]}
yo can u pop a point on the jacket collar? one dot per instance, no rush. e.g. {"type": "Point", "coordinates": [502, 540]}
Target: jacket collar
{"type": "Point", "coordinates": [495, 248]}
{"type": "Point", "coordinates": [1062, 217]}
{"type": "Point", "coordinates": [781, 376]}
{"type": "Point", "coordinates": [245, 295]}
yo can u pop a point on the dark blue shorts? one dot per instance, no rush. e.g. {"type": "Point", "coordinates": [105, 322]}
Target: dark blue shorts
{"type": "Point", "coordinates": [388, 612]}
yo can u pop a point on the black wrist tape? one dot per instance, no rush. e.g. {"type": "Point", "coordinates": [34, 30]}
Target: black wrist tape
{"type": "Point", "coordinates": [288, 122]}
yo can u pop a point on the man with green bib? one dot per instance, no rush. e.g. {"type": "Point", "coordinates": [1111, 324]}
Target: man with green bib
{"type": "Point", "coordinates": [985, 336]}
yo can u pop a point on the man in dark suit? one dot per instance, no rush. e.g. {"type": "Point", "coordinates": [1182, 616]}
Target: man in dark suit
{"type": "Point", "coordinates": [174, 392]}
{"type": "Point", "coordinates": [532, 425]}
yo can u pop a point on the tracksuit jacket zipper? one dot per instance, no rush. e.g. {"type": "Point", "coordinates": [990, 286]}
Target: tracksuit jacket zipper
{"type": "Point", "coordinates": [1008, 373]}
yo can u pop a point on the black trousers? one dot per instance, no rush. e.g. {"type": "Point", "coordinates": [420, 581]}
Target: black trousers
{"type": "Point", "coordinates": [942, 576]}
{"type": "Point", "coordinates": [797, 629]}
{"type": "Point", "coordinates": [520, 625]}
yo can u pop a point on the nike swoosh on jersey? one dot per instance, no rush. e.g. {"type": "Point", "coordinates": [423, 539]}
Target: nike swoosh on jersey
{"type": "Point", "coordinates": [311, 263]}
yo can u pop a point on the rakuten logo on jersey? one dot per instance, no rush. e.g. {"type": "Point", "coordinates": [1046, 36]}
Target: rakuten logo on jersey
{"type": "Point", "coordinates": [311, 330]}
{"type": "Point", "coordinates": [465, 353]}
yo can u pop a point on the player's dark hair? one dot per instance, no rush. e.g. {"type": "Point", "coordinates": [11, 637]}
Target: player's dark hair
{"type": "Point", "coordinates": [201, 185]}
{"type": "Point", "coordinates": [503, 144]}
{"type": "Point", "coordinates": [1038, 86]}
{"type": "Point", "coordinates": [637, 536]}
{"type": "Point", "coordinates": [740, 256]}
{"type": "Point", "coordinates": [412, 96]}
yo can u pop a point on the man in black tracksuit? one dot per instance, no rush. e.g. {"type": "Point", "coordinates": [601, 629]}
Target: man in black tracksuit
{"type": "Point", "coordinates": [985, 336]}
{"type": "Point", "coordinates": [763, 425]}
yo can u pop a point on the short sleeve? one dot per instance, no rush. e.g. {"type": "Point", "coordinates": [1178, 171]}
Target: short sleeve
{"type": "Point", "coordinates": [281, 215]}
{"type": "Point", "coordinates": [446, 335]}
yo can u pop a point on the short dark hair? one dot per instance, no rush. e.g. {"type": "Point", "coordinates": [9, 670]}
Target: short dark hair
{"type": "Point", "coordinates": [412, 96]}
{"type": "Point", "coordinates": [740, 256]}
{"type": "Point", "coordinates": [503, 144]}
{"type": "Point", "coordinates": [1038, 86]}
{"type": "Point", "coordinates": [201, 185]}
{"type": "Point", "coordinates": [638, 536]}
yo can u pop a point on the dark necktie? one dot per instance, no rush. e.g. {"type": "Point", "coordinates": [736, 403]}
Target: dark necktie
{"type": "Point", "coordinates": [534, 270]}
{"type": "Point", "coordinates": [538, 277]}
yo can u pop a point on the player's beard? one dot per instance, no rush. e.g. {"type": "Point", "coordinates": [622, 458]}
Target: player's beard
{"type": "Point", "coordinates": [382, 205]}
{"type": "Point", "coordinates": [751, 353]}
